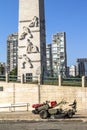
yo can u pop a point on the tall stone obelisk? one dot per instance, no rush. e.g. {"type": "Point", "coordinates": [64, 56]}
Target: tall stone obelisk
{"type": "Point", "coordinates": [31, 41]}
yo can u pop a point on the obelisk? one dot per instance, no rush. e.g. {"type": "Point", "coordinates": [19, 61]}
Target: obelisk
{"type": "Point", "coordinates": [31, 40]}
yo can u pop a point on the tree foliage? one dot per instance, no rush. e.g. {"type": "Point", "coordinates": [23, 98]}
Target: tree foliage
{"type": "Point", "coordinates": [2, 69]}
{"type": "Point", "coordinates": [14, 71]}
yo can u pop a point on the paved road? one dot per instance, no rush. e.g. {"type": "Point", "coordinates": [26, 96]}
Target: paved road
{"type": "Point", "coordinates": [43, 125]}
{"type": "Point", "coordinates": [29, 121]}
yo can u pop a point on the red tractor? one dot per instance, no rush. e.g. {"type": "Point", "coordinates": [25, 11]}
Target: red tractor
{"type": "Point", "coordinates": [45, 105]}
{"type": "Point", "coordinates": [61, 109]}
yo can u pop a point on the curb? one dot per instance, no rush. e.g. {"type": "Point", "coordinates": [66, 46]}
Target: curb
{"type": "Point", "coordinates": [43, 120]}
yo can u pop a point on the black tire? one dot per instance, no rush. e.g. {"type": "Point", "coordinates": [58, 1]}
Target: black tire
{"type": "Point", "coordinates": [35, 112]}
{"type": "Point", "coordinates": [70, 114]}
{"type": "Point", "coordinates": [43, 114]}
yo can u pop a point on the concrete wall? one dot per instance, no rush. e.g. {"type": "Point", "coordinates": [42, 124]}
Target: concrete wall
{"type": "Point", "coordinates": [14, 93]}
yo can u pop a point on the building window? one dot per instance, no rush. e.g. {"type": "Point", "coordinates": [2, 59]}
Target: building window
{"type": "Point", "coordinates": [29, 76]}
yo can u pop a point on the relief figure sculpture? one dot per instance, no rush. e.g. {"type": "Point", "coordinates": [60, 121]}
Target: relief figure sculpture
{"type": "Point", "coordinates": [26, 32]}
{"type": "Point", "coordinates": [26, 60]}
{"type": "Point", "coordinates": [31, 48]}
{"type": "Point", "coordinates": [34, 22]}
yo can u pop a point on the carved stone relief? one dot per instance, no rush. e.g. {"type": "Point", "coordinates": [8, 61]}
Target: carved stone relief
{"type": "Point", "coordinates": [31, 48]}
{"type": "Point", "coordinates": [34, 22]}
{"type": "Point", "coordinates": [26, 59]}
{"type": "Point", "coordinates": [26, 31]}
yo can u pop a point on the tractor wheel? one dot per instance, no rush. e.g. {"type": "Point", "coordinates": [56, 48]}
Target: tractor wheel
{"type": "Point", "coordinates": [35, 112]}
{"type": "Point", "coordinates": [70, 114]}
{"type": "Point", "coordinates": [43, 114]}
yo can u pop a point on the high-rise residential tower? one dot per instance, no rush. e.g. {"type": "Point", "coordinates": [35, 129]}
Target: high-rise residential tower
{"type": "Point", "coordinates": [81, 67]}
{"type": "Point", "coordinates": [31, 41]}
{"type": "Point", "coordinates": [12, 51]}
{"type": "Point", "coordinates": [59, 54]}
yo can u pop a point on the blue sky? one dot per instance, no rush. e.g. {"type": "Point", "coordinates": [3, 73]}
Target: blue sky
{"type": "Point", "coordinates": [69, 16]}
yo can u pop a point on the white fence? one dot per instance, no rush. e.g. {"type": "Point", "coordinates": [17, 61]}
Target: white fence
{"type": "Point", "coordinates": [15, 107]}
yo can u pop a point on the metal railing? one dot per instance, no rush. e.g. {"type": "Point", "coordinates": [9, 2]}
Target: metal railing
{"type": "Point", "coordinates": [15, 78]}
{"type": "Point", "coordinates": [64, 81]}
{"type": "Point", "coordinates": [12, 107]}
{"type": "Point", "coordinates": [2, 77]}
{"type": "Point", "coordinates": [51, 81]}
{"type": "Point", "coordinates": [12, 78]}
{"type": "Point", "coordinates": [71, 81]}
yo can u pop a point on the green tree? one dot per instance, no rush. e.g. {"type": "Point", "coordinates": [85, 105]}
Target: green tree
{"type": "Point", "coordinates": [2, 69]}
{"type": "Point", "coordinates": [14, 71]}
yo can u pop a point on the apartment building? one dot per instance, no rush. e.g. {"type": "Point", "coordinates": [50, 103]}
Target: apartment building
{"type": "Point", "coordinates": [81, 66]}
{"type": "Point", "coordinates": [59, 57]}
{"type": "Point", "coordinates": [12, 50]}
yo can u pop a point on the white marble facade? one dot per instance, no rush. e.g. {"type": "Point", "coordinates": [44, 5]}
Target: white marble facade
{"type": "Point", "coordinates": [31, 41]}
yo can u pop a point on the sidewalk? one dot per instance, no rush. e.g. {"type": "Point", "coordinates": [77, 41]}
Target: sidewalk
{"type": "Point", "coordinates": [23, 115]}
{"type": "Point", "coordinates": [29, 116]}
{"type": "Point", "coordinates": [81, 115]}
